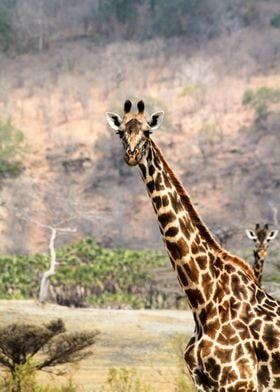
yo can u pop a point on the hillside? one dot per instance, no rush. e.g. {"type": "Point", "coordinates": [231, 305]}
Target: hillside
{"type": "Point", "coordinates": [74, 175]}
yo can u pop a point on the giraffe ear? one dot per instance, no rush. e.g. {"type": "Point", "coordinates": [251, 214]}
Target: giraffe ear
{"type": "Point", "coordinates": [251, 234]}
{"type": "Point", "coordinates": [156, 120]}
{"type": "Point", "coordinates": [272, 234]}
{"type": "Point", "coordinates": [113, 120]}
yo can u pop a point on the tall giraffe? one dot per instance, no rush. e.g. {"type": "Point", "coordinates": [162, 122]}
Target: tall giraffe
{"type": "Point", "coordinates": [261, 237]}
{"type": "Point", "coordinates": [236, 342]}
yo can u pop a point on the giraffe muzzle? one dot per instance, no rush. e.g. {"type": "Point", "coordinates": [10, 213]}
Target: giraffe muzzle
{"type": "Point", "coordinates": [132, 158]}
{"type": "Point", "coordinates": [261, 252]}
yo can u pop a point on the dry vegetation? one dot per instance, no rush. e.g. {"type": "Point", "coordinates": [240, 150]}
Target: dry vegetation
{"type": "Point", "coordinates": [64, 67]}
{"type": "Point", "coordinates": [73, 165]}
{"type": "Point", "coordinates": [63, 74]}
{"type": "Point", "coordinates": [149, 341]}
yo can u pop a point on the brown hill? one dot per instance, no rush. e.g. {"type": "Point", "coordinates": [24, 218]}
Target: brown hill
{"type": "Point", "coordinates": [74, 173]}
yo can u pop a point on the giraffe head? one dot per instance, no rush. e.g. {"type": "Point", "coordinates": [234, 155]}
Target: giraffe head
{"type": "Point", "coordinates": [134, 130]}
{"type": "Point", "coordinates": [261, 237]}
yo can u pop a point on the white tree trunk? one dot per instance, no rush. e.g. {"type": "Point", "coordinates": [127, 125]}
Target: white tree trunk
{"type": "Point", "coordinates": [44, 285]}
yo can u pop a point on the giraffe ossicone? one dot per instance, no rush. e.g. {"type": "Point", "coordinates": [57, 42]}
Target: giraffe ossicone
{"type": "Point", "coordinates": [236, 342]}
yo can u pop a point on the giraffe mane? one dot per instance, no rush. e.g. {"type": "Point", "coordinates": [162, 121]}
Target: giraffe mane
{"type": "Point", "coordinates": [225, 255]}
{"type": "Point", "coordinates": [195, 217]}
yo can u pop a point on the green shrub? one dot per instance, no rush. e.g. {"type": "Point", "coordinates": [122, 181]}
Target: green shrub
{"type": "Point", "coordinates": [11, 147]}
{"type": "Point", "coordinates": [21, 379]}
{"type": "Point", "coordinates": [121, 10]}
{"type": "Point", "coordinates": [5, 28]}
{"type": "Point", "coordinates": [162, 17]}
{"type": "Point", "coordinates": [275, 21]}
{"type": "Point", "coordinates": [125, 380]}
{"type": "Point", "coordinates": [193, 90]}
{"type": "Point", "coordinates": [109, 277]}
{"type": "Point", "coordinates": [261, 100]}
{"type": "Point", "coordinates": [183, 381]}
{"type": "Point", "coordinates": [69, 387]}
{"type": "Point", "coordinates": [177, 17]}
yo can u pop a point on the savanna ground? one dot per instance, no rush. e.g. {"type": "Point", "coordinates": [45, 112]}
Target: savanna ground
{"type": "Point", "coordinates": [62, 66]}
{"type": "Point", "coordinates": [147, 340]}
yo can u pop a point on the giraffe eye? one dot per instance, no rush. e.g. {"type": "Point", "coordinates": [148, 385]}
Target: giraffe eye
{"type": "Point", "coordinates": [147, 133]}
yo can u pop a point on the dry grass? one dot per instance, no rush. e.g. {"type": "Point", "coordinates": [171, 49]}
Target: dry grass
{"type": "Point", "coordinates": [141, 340]}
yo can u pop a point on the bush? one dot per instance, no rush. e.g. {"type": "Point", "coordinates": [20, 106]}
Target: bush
{"type": "Point", "coordinates": [5, 28]}
{"type": "Point", "coordinates": [87, 273]}
{"type": "Point", "coordinates": [183, 382]}
{"type": "Point", "coordinates": [275, 21]}
{"type": "Point", "coordinates": [180, 17]}
{"type": "Point", "coordinates": [26, 348]}
{"type": "Point", "coordinates": [122, 10]}
{"type": "Point", "coordinates": [11, 147]}
{"type": "Point", "coordinates": [261, 100]}
{"type": "Point", "coordinates": [163, 18]}
{"type": "Point", "coordinates": [124, 380]}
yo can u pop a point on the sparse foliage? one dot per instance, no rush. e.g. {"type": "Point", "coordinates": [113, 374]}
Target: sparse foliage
{"type": "Point", "coordinates": [27, 348]}
{"type": "Point", "coordinates": [261, 100]}
{"type": "Point", "coordinates": [183, 382]}
{"type": "Point", "coordinates": [87, 274]}
{"type": "Point", "coordinates": [125, 380]}
{"type": "Point", "coordinates": [208, 138]}
{"type": "Point", "coordinates": [6, 32]}
{"type": "Point", "coordinates": [11, 146]}
{"type": "Point", "coordinates": [275, 21]}
{"type": "Point", "coordinates": [36, 24]}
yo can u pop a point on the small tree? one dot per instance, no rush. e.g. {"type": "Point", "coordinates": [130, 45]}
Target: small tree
{"type": "Point", "coordinates": [26, 348]}
{"type": "Point", "coordinates": [275, 21]}
{"type": "Point", "coordinates": [5, 28]}
{"type": "Point", "coordinates": [261, 100]}
{"type": "Point", "coordinates": [11, 146]}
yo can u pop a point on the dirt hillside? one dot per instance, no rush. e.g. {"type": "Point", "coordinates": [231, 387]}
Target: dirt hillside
{"type": "Point", "coordinates": [74, 175]}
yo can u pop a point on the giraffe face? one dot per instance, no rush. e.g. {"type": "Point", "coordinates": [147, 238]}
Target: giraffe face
{"type": "Point", "coordinates": [261, 237]}
{"type": "Point", "coordinates": [134, 131]}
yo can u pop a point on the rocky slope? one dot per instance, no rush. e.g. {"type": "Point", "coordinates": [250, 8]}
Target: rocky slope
{"type": "Point", "coordinates": [74, 174]}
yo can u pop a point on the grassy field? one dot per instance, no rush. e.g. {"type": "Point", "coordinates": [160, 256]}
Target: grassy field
{"type": "Point", "coordinates": [147, 341]}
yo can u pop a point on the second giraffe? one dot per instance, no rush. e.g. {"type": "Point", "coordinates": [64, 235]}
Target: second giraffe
{"type": "Point", "coordinates": [262, 238]}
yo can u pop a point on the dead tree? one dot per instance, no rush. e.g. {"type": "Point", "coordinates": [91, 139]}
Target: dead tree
{"type": "Point", "coordinates": [44, 284]}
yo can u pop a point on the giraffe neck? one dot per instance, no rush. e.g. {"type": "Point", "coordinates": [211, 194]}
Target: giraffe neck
{"type": "Point", "coordinates": [190, 246]}
{"type": "Point", "coordinates": [258, 267]}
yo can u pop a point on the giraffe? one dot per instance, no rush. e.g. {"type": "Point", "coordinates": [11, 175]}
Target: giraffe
{"type": "Point", "coordinates": [236, 341]}
{"type": "Point", "coordinates": [261, 237]}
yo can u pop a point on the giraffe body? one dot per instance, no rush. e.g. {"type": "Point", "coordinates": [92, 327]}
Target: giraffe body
{"type": "Point", "coordinates": [262, 238]}
{"type": "Point", "coordinates": [236, 342]}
